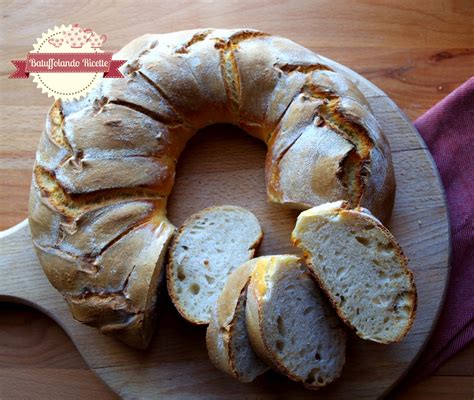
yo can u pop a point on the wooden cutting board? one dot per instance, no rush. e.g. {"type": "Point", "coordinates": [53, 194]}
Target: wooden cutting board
{"type": "Point", "coordinates": [222, 165]}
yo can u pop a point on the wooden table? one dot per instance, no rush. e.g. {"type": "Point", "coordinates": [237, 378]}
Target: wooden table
{"type": "Point", "coordinates": [417, 52]}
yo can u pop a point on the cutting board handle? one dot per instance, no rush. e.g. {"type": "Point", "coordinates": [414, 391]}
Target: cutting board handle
{"type": "Point", "coordinates": [18, 264]}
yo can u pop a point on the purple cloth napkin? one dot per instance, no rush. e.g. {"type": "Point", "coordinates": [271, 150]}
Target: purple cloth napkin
{"type": "Point", "coordinates": [448, 130]}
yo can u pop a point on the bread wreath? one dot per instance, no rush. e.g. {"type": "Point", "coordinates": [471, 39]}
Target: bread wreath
{"type": "Point", "coordinates": [106, 164]}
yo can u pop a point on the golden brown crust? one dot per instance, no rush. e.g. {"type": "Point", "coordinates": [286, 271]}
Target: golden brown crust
{"type": "Point", "coordinates": [219, 338]}
{"type": "Point", "coordinates": [223, 323]}
{"type": "Point", "coordinates": [255, 321]}
{"type": "Point", "coordinates": [121, 143]}
{"type": "Point", "coordinates": [218, 349]}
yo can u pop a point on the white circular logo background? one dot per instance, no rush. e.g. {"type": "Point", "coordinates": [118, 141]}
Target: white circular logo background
{"type": "Point", "coordinates": [66, 39]}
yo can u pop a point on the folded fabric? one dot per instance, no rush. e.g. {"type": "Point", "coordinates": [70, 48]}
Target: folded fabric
{"type": "Point", "coordinates": [448, 130]}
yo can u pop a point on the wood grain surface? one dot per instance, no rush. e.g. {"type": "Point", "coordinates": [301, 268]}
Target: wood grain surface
{"type": "Point", "coordinates": [221, 165]}
{"type": "Point", "coordinates": [417, 53]}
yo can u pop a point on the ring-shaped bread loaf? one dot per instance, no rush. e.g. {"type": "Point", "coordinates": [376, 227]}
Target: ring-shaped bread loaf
{"type": "Point", "coordinates": [106, 164]}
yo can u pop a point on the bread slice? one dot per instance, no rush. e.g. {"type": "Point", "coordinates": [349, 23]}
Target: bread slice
{"type": "Point", "coordinates": [227, 341]}
{"type": "Point", "coordinates": [361, 267]}
{"type": "Point", "coordinates": [290, 324]}
{"type": "Point", "coordinates": [207, 248]}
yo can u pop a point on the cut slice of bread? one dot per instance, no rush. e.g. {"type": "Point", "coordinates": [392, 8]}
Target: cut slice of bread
{"type": "Point", "coordinates": [227, 341]}
{"type": "Point", "coordinates": [290, 324]}
{"type": "Point", "coordinates": [361, 267]}
{"type": "Point", "coordinates": [207, 248]}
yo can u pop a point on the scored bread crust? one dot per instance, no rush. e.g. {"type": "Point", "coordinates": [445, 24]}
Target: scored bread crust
{"type": "Point", "coordinates": [221, 328]}
{"type": "Point", "coordinates": [255, 319]}
{"type": "Point", "coordinates": [118, 148]}
{"type": "Point", "coordinates": [343, 209]}
{"type": "Point", "coordinates": [170, 268]}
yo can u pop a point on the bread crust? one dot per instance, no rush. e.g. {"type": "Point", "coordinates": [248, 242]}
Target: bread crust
{"type": "Point", "coordinates": [121, 142]}
{"type": "Point", "coordinates": [255, 320]}
{"type": "Point", "coordinates": [217, 344]}
{"type": "Point", "coordinates": [221, 329]}
{"type": "Point", "coordinates": [343, 209]}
